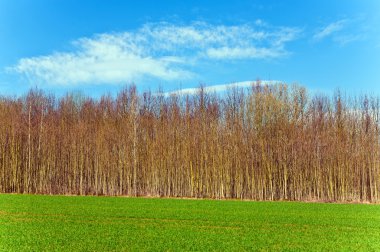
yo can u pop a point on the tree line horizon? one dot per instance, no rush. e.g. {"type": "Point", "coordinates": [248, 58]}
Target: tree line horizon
{"type": "Point", "coordinates": [266, 142]}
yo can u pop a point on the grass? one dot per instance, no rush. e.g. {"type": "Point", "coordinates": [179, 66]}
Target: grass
{"type": "Point", "coordinates": [62, 223]}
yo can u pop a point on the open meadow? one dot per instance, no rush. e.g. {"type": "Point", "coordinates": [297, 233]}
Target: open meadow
{"type": "Point", "coordinates": [63, 223]}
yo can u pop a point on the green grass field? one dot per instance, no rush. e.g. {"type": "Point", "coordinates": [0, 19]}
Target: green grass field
{"type": "Point", "coordinates": [62, 223]}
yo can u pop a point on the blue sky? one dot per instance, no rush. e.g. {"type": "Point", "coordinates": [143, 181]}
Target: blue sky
{"type": "Point", "coordinates": [99, 46]}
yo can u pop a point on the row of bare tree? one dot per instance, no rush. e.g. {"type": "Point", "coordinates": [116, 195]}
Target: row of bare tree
{"type": "Point", "coordinates": [263, 143]}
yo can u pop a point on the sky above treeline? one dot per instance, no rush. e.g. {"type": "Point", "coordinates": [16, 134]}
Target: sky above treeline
{"type": "Point", "coordinates": [98, 47]}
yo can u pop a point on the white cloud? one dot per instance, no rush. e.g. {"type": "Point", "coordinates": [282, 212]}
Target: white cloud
{"type": "Point", "coordinates": [161, 50]}
{"type": "Point", "coordinates": [260, 22]}
{"type": "Point", "coordinates": [219, 88]}
{"type": "Point", "coordinates": [242, 53]}
{"type": "Point", "coordinates": [103, 59]}
{"type": "Point", "coordinates": [329, 30]}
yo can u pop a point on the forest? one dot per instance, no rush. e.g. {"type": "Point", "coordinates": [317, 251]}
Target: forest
{"type": "Point", "coordinates": [266, 142]}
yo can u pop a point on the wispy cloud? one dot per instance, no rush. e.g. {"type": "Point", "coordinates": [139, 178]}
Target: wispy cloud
{"type": "Point", "coordinates": [160, 50]}
{"type": "Point", "coordinates": [329, 30]}
{"type": "Point", "coordinates": [343, 31]}
{"type": "Point", "coordinates": [348, 38]}
{"type": "Point", "coordinates": [243, 52]}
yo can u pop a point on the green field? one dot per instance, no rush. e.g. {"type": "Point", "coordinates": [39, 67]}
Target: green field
{"type": "Point", "coordinates": [62, 223]}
